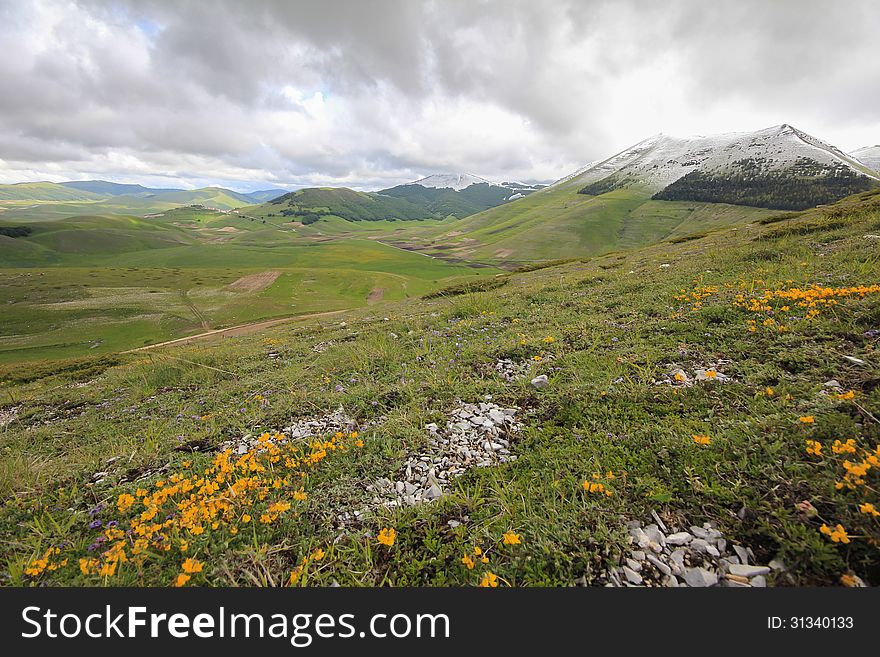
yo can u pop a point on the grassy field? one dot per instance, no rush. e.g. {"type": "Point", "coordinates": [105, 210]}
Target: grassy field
{"type": "Point", "coordinates": [93, 447]}
{"type": "Point", "coordinates": [557, 222]}
{"type": "Point", "coordinates": [99, 284]}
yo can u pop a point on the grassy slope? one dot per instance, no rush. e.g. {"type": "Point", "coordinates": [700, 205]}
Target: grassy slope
{"type": "Point", "coordinates": [560, 223]}
{"type": "Point", "coordinates": [617, 324]}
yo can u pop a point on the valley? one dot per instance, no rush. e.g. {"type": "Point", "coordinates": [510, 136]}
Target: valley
{"type": "Point", "coordinates": [98, 267]}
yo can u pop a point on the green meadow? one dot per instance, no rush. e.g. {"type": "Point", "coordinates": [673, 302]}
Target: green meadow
{"type": "Point", "coordinates": [779, 460]}
{"type": "Point", "coordinates": [99, 284]}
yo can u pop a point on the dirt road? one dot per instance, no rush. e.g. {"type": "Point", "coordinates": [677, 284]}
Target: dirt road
{"type": "Point", "coordinates": [233, 331]}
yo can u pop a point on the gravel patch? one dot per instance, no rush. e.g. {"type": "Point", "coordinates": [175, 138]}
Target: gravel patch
{"type": "Point", "coordinates": [697, 557]}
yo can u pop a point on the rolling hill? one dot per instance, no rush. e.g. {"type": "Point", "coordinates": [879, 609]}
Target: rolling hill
{"type": "Point", "coordinates": [46, 200]}
{"type": "Point", "coordinates": [434, 197]}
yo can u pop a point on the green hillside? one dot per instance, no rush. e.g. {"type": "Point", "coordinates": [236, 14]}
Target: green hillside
{"type": "Point", "coordinates": [316, 203]}
{"type": "Point", "coordinates": [691, 379]}
{"type": "Point", "coordinates": [558, 222]}
{"type": "Point", "coordinates": [443, 202]}
{"type": "Point", "coordinates": [49, 201]}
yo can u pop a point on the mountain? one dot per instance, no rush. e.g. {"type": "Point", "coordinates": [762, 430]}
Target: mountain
{"type": "Point", "coordinates": [663, 188]}
{"type": "Point", "coordinates": [869, 156]}
{"type": "Point", "coordinates": [314, 203]}
{"type": "Point", "coordinates": [105, 188]}
{"type": "Point", "coordinates": [434, 197]}
{"type": "Point", "coordinates": [458, 194]}
{"type": "Point", "coordinates": [264, 195]}
{"type": "Point", "coordinates": [779, 167]}
{"type": "Point", "coordinates": [44, 191]}
{"type": "Point", "coordinates": [456, 181]}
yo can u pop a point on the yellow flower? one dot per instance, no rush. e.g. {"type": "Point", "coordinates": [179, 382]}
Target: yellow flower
{"type": "Point", "coordinates": [769, 391]}
{"type": "Point", "coordinates": [245, 518]}
{"type": "Point", "coordinates": [549, 339]}
{"type": "Point", "coordinates": [299, 495]}
{"type": "Point", "coordinates": [868, 508]}
{"type": "Point", "coordinates": [181, 579]}
{"type": "Point", "coordinates": [192, 565]}
{"type": "Point", "coordinates": [490, 580]}
{"type": "Point", "coordinates": [680, 377]}
{"type": "Point", "coordinates": [711, 374]}
{"type": "Point", "coordinates": [837, 535]}
{"type": "Point", "coordinates": [701, 439]}
{"type": "Point", "coordinates": [806, 419]}
{"type": "Point", "coordinates": [814, 448]}
{"type": "Point", "coordinates": [317, 555]}
{"type": "Point", "coordinates": [536, 358]}
{"type": "Point", "coordinates": [467, 561]}
{"type": "Point", "coordinates": [387, 536]}
{"type": "Point", "coordinates": [124, 502]}
{"type": "Point", "coordinates": [849, 447]}
{"type": "Point", "coordinates": [512, 538]}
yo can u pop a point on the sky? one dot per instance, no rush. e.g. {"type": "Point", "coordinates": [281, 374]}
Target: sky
{"type": "Point", "coordinates": [369, 94]}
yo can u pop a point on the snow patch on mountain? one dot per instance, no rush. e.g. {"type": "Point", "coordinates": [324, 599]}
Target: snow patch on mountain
{"type": "Point", "coordinates": [869, 156]}
{"type": "Point", "coordinates": [456, 181]}
{"type": "Point", "coordinates": [660, 160]}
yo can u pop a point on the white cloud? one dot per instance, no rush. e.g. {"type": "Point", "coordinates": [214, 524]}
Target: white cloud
{"type": "Point", "coordinates": [373, 94]}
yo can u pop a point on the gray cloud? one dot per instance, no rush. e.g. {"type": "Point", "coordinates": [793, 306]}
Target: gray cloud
{"type": "Point", "coordinates": [374, 93]}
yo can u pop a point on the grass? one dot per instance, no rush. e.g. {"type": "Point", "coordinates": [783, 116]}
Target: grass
{"type": "Point", "coordinates": [619, 322]}
{"type": "Point", "coordinates": [101, 284]}
{"type": "Point", "coordinates": [557, 223]}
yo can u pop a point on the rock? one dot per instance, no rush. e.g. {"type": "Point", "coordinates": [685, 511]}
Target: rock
{"type": "Point", "coordinates": [832, 383]}
{"type": "Point", "coordinates": [659, 522]}
{"type": "Point", "coordinates": [655, 535]}
{"type": "Point", "coordinates": [777, 565]}
{"type": "Point", "coordinates": [635, 565]}
{"type": "Point", "coordinates": [454, 523]}
{"type": "Point", "coordinates": [699, 545]}
{"type": "Point", "coordinates": [759, 582]}
{"type": "Point", "coordinates": [662, 567]}
{"type": "Point", "coordinates": [540, 382]}
{"type": "Point", "coordinates": [741, 554]}
{"type": "Point", "coordinates": [699, 532]}
{"type": "Point", "coordinates": [700, 577]}
{"type": "Point", "coordinates": [745, 570]}
{"type": "Point", "coordinates": [631, 575]}
{"type": "Point", "coordinates": [432, 493]}
{"type": "Point", "coordinates": [679, 538]}
{"type": "Point", "coordinates": [638, 555]}
{"type": "Point", "coordinates": [857, 361]}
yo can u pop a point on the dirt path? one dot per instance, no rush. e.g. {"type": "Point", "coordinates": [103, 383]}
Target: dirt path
{"type": "Point", "coordinates": [376, 295]}
{"type": "Point", "coordinates": [233, 331]}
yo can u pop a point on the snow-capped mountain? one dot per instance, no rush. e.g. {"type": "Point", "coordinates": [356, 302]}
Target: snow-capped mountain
{"type": "Point", "coordinates": [456, 181]}
{"type": "Point", "coordinates": [660, 160]}
{"type": "Point", "coordinates": [869, 156]}
{"type": "Point", "coordinates": [778, 167]}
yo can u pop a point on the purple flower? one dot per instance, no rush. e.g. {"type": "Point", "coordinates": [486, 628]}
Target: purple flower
{"type": "Point", "coordinates": [97, 509]}
{"type": "Point", "coordinates": [94, 524]}
{"type": "Point", "coordinates": [112, 524]}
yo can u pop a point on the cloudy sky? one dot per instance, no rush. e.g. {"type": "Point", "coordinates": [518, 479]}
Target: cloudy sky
{"type": "Point", "coordinates": [369, 94]}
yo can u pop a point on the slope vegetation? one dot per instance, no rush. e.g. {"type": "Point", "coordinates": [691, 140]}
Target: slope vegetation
{"type": "Point", "coordinates": [730, 379]}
